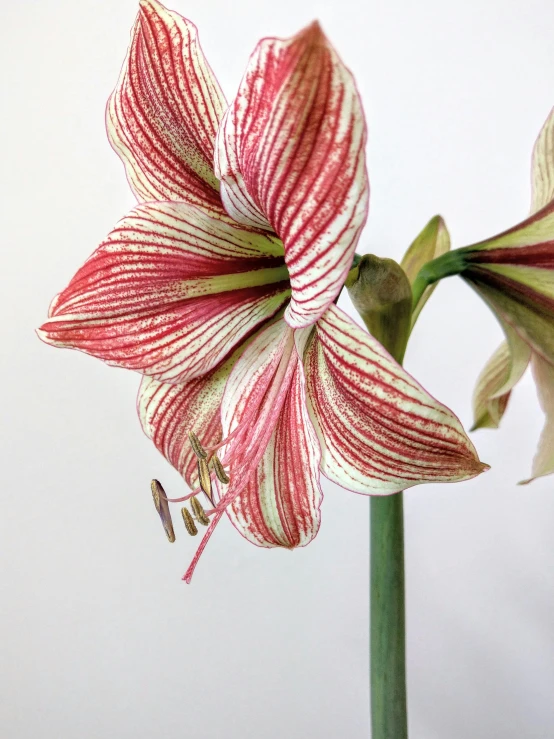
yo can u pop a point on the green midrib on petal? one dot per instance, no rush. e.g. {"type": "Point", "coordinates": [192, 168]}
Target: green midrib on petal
{"type": "Point", "coordinates": [237, 281]}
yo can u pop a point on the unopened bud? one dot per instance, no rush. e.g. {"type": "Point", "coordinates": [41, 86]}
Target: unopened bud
{"type": "Point", "coordinates": [382, 295]}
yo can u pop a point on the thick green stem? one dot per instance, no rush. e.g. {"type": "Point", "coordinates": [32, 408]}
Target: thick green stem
{"type": "Point", "coordinates": [388, 642]}
{"type": "Point", "coordinates": [389, 715]}
{"type": "Point", "coordinates": [381, 292]}
{"type": "Point", "coordinates": [382, 295]}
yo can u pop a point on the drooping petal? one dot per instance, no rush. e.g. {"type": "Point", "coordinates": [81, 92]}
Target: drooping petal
{"type": "Point", "coordinates": [170, 293]}
{"type": "Point", "coordinates": [543, 462]}
{"type": "Point", "coordinates": [433, 241]}
{"type": "Point", "coordinates": [280, 505]}
{"type": "Point", "coordinates": [497, 379]}
{"type": "Point", "coordinates": [290, 156]}
{"type": "Point", "coordinates": [163, 115]}
{"type": "Point", "coordinates": [379, 431]}
{"type": "Point", "coordinates": [542, 166]}
{"type": "Point", "coordinates": [522, 297]}
{"type": "Point", "coordinates": [168, 413]}
{"type": "Point", "coordinates": [274, 490]}
{"type": "Point", "coordinates": [488, 407]}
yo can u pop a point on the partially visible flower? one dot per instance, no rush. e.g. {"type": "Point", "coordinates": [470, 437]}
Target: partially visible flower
{"type": "Point", "coordinates": [226, 305]}
{"type": "Point", "coordinates": [514, 274]}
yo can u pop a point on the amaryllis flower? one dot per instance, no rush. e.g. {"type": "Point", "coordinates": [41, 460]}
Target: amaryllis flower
{"type": "Point", "coordinates": [514, 273]}
{"type": "Point", "coordinates": [220, 287]}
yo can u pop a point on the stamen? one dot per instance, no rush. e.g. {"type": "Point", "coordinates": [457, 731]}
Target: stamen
{"type": "Point", "coordinates": [199, 512]}
{"type": "Point", "coordinates": [197, 446]}
{"type": "Point", "coordinates": [205, 478]}
{"type": "Point", "coordinates": [160, 501]}
{"type": "Point", "coordinates": [189, 522]}
{"type": "Point", "coordinates": [219, 471]}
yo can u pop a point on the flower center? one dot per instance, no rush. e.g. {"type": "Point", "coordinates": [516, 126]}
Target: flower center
{"type": "Point", "coordinates": [236, 281]}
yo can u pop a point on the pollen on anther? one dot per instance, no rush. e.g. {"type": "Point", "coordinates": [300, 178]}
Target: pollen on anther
{"type": "Point", "coordinates": [198, 511]}
{"type": "Point", "coordinates": [205, 478]}
{"type": "Point", "coordinates": [189, 522]}
{"type": "Point", "coordinates": [219, 471]}
{"type": "Point", "coordinates": [162, 506]}
{"type": "Point", "coordinates": [197, 446]}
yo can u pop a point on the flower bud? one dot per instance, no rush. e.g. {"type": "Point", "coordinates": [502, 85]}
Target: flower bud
{"type": "Point", "coordinates": [381, 293]}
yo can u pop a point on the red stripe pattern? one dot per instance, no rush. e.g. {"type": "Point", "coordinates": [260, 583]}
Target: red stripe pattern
{"type": "Point", "coordinates": [163, 115]}
{"type": "Point", "coordinates": [290, 155]}
{"type": "Point", "coordinates": [379, 431]}
{"type": "Point", "coordinates": [280, 505]}
{"type": "Point", "coordinates": [274, 492]}
{"type": "Point", "coordinates": [149, 298]}
{"type": "Point", "coordinates": [168, 413]}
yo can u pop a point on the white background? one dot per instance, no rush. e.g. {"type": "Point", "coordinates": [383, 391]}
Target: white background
{"type": "Point", "coordinates": [100, 638]}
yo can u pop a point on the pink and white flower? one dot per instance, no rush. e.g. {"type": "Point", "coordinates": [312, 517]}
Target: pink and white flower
{"type": "Point", "coordinates": [219, 287]}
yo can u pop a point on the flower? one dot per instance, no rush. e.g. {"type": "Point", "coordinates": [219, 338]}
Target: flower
{"type": "Point", "coordinates": [514, 274]}
{"type": "Point", "coordinates": [219, 287]}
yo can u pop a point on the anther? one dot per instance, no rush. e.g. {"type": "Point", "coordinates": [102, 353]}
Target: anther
{"type": "Point", "coordinates": [197, 446]}
{"type": "Point", "coordinates": [205, 478]}
{"type": "Point", "coordinates": [198, 511]}
{"type": "Point", "coordinates": [189, 522]}
{"type": "Point", "coordinates": [160, 501]}
{"type": "Point", "coordinates": [219, 471]}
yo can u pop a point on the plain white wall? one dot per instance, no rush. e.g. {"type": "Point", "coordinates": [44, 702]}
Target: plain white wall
{"type": "Point", "coordinates": [99, 636]}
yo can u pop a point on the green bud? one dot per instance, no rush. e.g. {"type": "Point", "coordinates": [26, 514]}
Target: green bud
{"type": "Point", "coordinates": [382, 295]}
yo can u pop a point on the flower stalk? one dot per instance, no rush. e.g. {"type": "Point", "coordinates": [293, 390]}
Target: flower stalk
{"type": "Point", "coordinates": [451, 263]}
{"type": "Point", "coordinates": [381, 293]}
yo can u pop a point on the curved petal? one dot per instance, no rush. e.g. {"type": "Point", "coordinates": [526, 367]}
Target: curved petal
{"type": "Point", "coordinates": [163, 115]}
{"type": "Point", "coordinates": [280, 505]}
{"type": "Point", "coordinates": [170, 293]}
{"type": "Point", "coordinates": [433, 241]}
{"type": "Point", "coordinates": [543, 372]}
{"type": "Point", "coordinates": [290, 156]}
{"type": "Point", "coordinates": [542, 166]}
{"type": "Point", "coordinates": [501, 373]}
{"type": "Point", "coordinates": [274, 494]}
{"type": "Point", "coordinates": [522, 297]}
{"type": "Point", "coordinates": [379, 431]}
{"type": "Point", "coordinates": [168, 413]}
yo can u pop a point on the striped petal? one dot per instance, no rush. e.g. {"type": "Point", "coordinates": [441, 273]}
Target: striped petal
{"type": "Point", "coordinates": [542, 166]}
{"type": "Point", "coordinates": [290, 156]}
{"type": "Point", "coordinates": [379, 431]}
{"type": "Point", "coordinates": [163, 115]}
{"type": "Point", "coordinates": [170, 293]}
{"type": "Point", "coordinates": [433, 241]}
{"type": "Point", "coordinates": [168, 413]}
{"type": "Point", "coordinates": [499, 376]}
{"type": "Point", "coordinates": [514, 274]}
{"type": "Point", "coordinates": [274, 491]}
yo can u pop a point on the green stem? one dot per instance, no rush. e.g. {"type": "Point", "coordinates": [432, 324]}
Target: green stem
{"type": "Point", "coordinates": [388, 642]}
{"type": "Point", "coordinates": [381, 293]}
{"type": "Point", "coordinates": [389, 716]}
{"type": "Point", "coordinates": [451, 263]}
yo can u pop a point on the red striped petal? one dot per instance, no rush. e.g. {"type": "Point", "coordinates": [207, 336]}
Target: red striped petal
{"type": "Point", "coordinates": [169, 293]}
{"type": "Point", "coordinates": [280, 506]}
{"type": "Point", "coordinates": [290, 154]}
{"type": "Point", "coordinates": [274, 490]}
{"type": "Point", "coordinates": [168, 413]}
{"type": "Point", "coordinates": [163, 115]}
{"type": "Point", "coordinates": [379, 431]}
